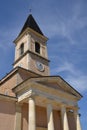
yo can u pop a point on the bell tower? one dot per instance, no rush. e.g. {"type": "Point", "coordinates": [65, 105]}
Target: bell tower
{"type": "Point", "coordinates": [31, 48]}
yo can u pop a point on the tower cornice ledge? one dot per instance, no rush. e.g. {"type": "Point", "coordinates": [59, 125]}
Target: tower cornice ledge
{"type": "Point", "coordinates": [28, 51]}
{"type": "Point", "coordinates": [8, 98]}
{"type": "Point", "coordinates": [29, 30]}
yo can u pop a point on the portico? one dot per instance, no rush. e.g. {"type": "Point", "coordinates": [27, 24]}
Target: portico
{"type": "Point", "coordinates": [48, 105]}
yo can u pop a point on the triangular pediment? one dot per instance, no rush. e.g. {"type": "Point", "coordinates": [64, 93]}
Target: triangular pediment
{"type": "Point", "coordinates": [59, 84]}
{"type": "Point", "coordinates": [51, 84]}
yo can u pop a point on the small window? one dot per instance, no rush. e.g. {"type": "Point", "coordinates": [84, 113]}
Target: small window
{"type": "Point", "coordinates": [37, 47]}
{"type": "Point", "coordinates": [22, 49]}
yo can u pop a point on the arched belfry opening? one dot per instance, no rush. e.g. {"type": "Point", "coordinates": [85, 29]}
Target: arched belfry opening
{"type": "Point", "coordinates": [21, 49]}
{"type": "Point", "coordinates": [37, 47]}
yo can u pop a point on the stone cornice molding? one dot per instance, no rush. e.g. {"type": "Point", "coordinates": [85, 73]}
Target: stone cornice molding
{"type": "Point", "coordinates": [37, 81]}
{"type": "Point", "coordinates": [29, 30]}
{"type": "Point", "coordinates": [8, 98]}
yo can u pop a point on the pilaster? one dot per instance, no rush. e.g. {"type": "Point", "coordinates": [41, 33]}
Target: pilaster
{"type": "Point", "coordinates": [18, 117]}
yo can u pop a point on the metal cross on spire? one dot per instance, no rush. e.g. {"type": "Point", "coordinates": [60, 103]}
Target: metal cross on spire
{"type": "Point", "coordinates": [30, 10]}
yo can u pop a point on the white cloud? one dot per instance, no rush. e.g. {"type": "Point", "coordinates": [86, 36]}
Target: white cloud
{"type": "Point", "coordinates": [74, 76]}
{"type": "Point", "coordinates": [67, 27]}
{"type": "Point", "coordinates": [79, 82]}
{"type": "Point", "coordinates": [66, 67]}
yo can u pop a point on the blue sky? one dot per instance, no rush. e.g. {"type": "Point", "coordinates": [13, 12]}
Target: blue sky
{"type": "Point", "coordinates": [65, 24]}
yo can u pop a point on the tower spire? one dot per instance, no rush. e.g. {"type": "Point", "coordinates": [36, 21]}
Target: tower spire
{"type": "Point", "coordinates": [31, 23]}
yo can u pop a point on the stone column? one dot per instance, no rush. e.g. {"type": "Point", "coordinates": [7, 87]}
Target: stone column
{"type": "Point", "coordinates": [50, 117]}
{"type": "Point", "coordinates": [18, 117]}
{"type": "Point", "coordinates": [64, 118]}
{"type": "Point", "coordinates": [31, 115]}
{"type": "Point", "coordinates": [77, 120]}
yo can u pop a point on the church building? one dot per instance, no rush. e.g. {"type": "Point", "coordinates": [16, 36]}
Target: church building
{"type": "Point", "coordinates": [30, 98]}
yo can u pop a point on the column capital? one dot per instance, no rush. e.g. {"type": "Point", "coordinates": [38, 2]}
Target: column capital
{"type": "Point", "coordinates": [31, 97]}
{"type": "Point", "coordinates": [19, 104]}
{"type": "Point", "coordinates": [49, 105]}
{"type": "Point", "coordinates": [75, 108]}
{"type": "Point", "coordinates": [63, 105]}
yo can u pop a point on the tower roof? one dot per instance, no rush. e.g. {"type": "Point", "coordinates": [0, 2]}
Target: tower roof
{"type": "Point", "coordinates": [31, 23]}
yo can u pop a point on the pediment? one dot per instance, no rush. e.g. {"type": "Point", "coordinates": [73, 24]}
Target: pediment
{"type": "Point", "coordinates": [57, 83]}
{"type": "Point", "coordinates": [49, 84]}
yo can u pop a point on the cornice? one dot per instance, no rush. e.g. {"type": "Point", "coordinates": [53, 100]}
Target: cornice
{"type": "Point", "coordinates": [8, 98]}
{"type": "Point", "coordinates": [29, 30]}
{"type": "Point", "coordinates": [28, 51]}
{"type": "Point", "coordinates": [64, 85]}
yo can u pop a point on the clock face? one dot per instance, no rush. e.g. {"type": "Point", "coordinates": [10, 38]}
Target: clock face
{"type": "Point", "coordinates": [40, 66]}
